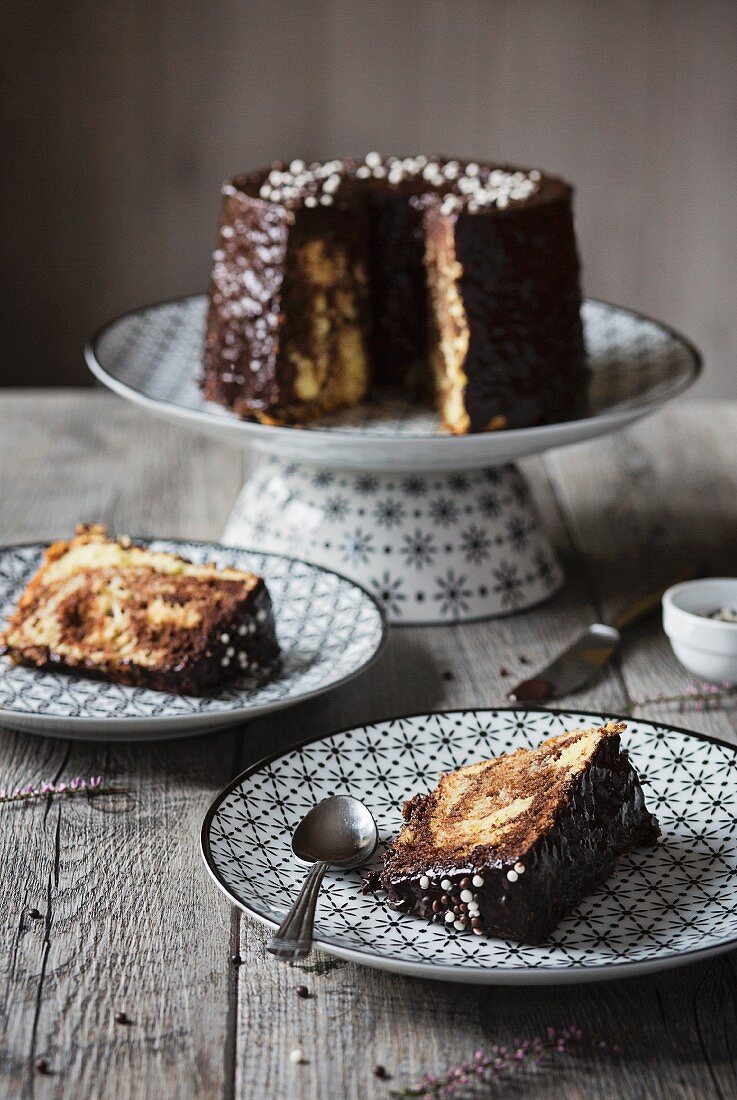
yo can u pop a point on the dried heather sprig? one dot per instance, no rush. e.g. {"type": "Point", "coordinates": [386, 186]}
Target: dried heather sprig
{"type": "Point", "coordinates": [702, 697]}
{"type": "Point", "coordinates": [499, 1061]}
{"type": "Point", "coordinates": [90, 787]}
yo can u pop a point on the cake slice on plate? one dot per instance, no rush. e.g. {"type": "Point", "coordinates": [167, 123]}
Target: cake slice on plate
{"type": "Point", "coordinates": [107, 608]}
{"type": "Point", "coordinates": [507, 847]}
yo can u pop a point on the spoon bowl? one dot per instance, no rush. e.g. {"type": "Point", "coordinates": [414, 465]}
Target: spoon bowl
{"type": "Point", "coordinates": [339, 831]}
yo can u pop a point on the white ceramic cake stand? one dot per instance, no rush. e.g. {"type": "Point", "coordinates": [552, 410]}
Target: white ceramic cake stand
{"type": "Point", "coordinates": [441, 528]}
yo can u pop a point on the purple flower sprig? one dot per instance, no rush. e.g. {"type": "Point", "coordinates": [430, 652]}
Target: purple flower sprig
{"type": "Point", "coordinates": [500, 1061]}
{"type": "Point", "coordinates": [702, 697]}
{"type": "Point", "coordinates": [27, 793]}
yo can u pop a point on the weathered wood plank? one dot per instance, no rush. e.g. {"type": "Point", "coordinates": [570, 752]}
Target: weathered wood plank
{"type": "Point", "coordinates": [83, 455]}
{"type": "Point", "coordinates": [642, 503]}
{"type": "Point", "coordinates": [129, 920]}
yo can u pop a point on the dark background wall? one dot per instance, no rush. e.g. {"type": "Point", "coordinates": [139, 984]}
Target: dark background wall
{"type": "Point", "coordinates": [121, 119]}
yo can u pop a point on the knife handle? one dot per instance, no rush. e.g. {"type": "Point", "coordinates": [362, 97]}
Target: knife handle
{"type": "Point", "coordinates": [646, 604]}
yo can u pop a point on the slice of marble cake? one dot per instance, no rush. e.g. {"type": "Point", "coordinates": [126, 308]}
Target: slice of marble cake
{"type": "Point", "coordinates": [508, 847]}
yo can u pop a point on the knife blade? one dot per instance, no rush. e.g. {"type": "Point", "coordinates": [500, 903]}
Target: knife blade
{"type": "Point", "coordinates": [573, 668]}
{"type": "Point", "coordinates": [578, 665]}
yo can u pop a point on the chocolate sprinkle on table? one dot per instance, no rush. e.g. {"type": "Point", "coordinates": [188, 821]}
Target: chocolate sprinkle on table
{"type": "Point", "coordinates": [35, 914]}
{"type": "Point", "coordinates": [42, 1065]}
{"type": "Point", "coordinates": [380, 1071]}
{"type": "Point", "coordinates": [302, 991]}
{"type": "Point", "coordinates": [121, 1018]}
{"type": "Point", "coordinates": [236, 960]}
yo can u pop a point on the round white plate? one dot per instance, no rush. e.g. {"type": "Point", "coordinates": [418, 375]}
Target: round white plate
{"type": "Point", "coordinates": [665, 906]}
{"type": "Point", "coordinates": [152, 357]}
{"type": "Point", "coordinates": [328, 628]}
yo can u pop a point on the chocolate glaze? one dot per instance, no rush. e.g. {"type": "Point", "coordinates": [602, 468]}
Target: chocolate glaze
{"type": "Point", "coordinates": [520, 289]}
{"type": "Point", "coordinates": [603, 816]}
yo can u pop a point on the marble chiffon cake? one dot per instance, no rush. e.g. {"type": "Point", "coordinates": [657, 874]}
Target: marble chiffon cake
{"type": "Point", "coordinates": [443, 278]}
{"type": "Point", "coordinates": [110, 609]}
{"type": "Point", "coordinates": [507, 847]}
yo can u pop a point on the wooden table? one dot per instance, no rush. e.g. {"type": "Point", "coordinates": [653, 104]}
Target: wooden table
{"type": "Point", "coordinates": [131, 922]}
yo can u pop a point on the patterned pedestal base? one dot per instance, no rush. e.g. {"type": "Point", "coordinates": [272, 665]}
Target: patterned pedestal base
{"type": "Point", "coordinates": [432, 547]}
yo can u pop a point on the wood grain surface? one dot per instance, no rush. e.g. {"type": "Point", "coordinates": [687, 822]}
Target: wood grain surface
{"type": "Point", "coordinates": [131, 922]}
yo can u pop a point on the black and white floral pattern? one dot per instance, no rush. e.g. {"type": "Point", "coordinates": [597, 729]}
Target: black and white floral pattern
{"type": "Point", "coordinates": [457, 557]}
{"type": "Point", "coordinates": [328, 630]}
{"type": "Point", "coordinates": [664, 905]}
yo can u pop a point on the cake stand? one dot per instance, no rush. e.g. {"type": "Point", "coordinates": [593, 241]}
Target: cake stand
{"type": "Point", "coordinates": [440, 528]}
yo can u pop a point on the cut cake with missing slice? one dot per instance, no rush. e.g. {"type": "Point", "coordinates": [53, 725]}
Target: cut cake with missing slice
{"type": "Point", "coordinates": [110, 609]}
{"type": "Point", "coordinates": [508, 847]}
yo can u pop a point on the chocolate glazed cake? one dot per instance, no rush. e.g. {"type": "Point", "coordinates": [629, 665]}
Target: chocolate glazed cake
{"type": "Point", "coordinates": [438, 276]}
{"type": "Point", "coordinates": [116, 611]}
{"type": "Point", "coordinates": [508, 847]}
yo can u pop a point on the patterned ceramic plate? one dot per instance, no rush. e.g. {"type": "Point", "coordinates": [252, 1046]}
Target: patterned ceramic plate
{"type": "Point", "coordinates": [152, 357]}
{"type": "Point", "coordinates": [329, 630]}
{"type": "Point", "coordinates": [664, 906]}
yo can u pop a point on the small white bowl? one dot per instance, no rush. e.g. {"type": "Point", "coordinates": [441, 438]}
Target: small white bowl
{"type": "Point", "coordinates": [707, 647]}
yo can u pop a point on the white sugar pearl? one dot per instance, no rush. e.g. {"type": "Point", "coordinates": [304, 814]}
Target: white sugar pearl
{"type": "Point", "coordinates": [449, 917]}
{"type": "Point", "coordinates": [310, 201]}
{"type": "Point", "coordinates": [466, 896]}
{"type": "Point", "coordinates": [424, 882]}
{"type": "Point", "coordinates": [261, 616]}
{"type": "Point", "coordinates": [373, 160]}
{"type": "Point", "coordinates": [363, 172]}
{"type": "Point", "coordinates": [473, 908]}
{"type": "Point", "coordinates": [225, 638]}
{"type": "Point", "coordinates": [230, 652]}
{"type": "Point", "coordinates": [446, 884]}
{"type": "Point", "coordinates": [477, 881]}
{"type": "Point", "coordinates": [519, 868]}
{"type": "Point", "coordinates": [297, 166]}
{"type": "Point", "coordinates": [326, 200]}
{"type": "Point", "coordinates": [225, 662]}
{"type": "Point", "coordinates": [242, 629]}
{"type": "Point", "coordinates": [297, 1055]}
{"type": "Point", "coordinates": [472, 169]}
{"type": "Point", "coordinates": [242, 660]}
{"type": "Point", "coordinates": [459, 925]}
{"type": "Point", "coordinates": [512, 876]}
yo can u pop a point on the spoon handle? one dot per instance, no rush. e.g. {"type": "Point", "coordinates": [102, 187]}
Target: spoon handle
{"type": "Point", "coordinates": [293, 940]}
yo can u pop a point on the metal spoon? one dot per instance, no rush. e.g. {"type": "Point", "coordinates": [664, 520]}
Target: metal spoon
{"type": "Point", "coordinates": [339, 832]}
